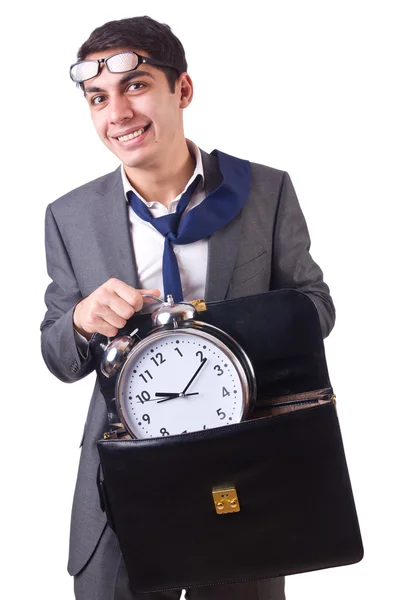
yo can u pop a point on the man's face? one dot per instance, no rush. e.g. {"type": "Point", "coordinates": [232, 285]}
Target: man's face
{"type": "Point", "coordinates": [135, 113]}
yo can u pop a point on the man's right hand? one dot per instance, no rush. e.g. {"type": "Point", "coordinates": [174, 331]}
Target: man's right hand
{"type": "Point", "coordinates": [108, 308]}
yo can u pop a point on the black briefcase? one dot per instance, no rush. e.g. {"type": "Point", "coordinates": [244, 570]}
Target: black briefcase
{"type": "Point", "coordinates": [267, 497]}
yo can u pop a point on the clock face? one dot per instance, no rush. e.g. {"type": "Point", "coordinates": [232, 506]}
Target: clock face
{"type": "Point", "coordinates": [178, 381]}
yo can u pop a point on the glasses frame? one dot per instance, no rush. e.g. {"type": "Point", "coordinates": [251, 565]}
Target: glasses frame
{"type": "Point", "coordinates": [99, 61]}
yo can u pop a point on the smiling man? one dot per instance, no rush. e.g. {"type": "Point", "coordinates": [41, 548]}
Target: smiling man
{"type": "Point", "coordinates": [138, 116]}
{"type": "Point", "coordinates": [230, 228]}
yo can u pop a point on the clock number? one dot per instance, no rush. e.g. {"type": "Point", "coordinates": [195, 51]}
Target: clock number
{"type": "Point", "coordinates": [160, 359]}
{"type": "Point", "coordinates": [146, 418]}
{"type": "Point", "coordinates": [225, 392]}
{"type": "Point", "coordinates": [163, 431]}
{"type": "Point", "coordinates": [179, 352]}
{"type": "Point", "coordinates": [221, 414]}
{"type": "Point", "coordinates": [144, 378]}
{"type": "Point", "coordinates": [199, 353]}
{"type": "Point", "coordinates": [217, 368]}
{"type": "Point", "coordinates": [144, 397]}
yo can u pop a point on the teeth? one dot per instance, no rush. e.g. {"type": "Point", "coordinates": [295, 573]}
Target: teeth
{"type": "Point", "coordinates": [130, 136]}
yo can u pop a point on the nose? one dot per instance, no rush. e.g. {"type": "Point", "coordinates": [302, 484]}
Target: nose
{"type": "Point", "coordinates": [120, 109]}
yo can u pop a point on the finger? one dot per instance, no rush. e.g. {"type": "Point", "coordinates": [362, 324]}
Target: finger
{"type": "Point", "coordinates": [132, 296]}
{"type": "Point", "coordinates": [154, 292]}
{"type": "Point", "coordinates": [139, 300]}
{"type": "Point", "coordinates": [120, 307]}
{"type": "Point", "coordinates": [110, 317]}
{"type": "Point", "coordinates": [104, 328]}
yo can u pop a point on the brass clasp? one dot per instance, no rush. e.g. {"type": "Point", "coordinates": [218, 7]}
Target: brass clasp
{"type": "Point", "coordinates": [199, 305]}
{"type": "Point", "coordinates": [225, 500]}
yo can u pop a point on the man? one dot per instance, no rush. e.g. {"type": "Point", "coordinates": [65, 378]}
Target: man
{"type": "Point", "coordinates": [104, 250]}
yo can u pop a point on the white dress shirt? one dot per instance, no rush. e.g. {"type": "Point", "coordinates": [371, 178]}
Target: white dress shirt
{"type": "Point", "coordinates": [148, 243]}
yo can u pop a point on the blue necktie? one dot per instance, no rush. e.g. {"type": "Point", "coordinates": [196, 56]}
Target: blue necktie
{"type": "Point", "coordinates": [213, 213]}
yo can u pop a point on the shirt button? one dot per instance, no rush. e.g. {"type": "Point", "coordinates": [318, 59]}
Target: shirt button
{"type": "Point", "coordinates": [176, 249]}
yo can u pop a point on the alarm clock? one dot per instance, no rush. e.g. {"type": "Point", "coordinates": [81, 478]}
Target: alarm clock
{"type": "Point", "coordinates": [184, 376]}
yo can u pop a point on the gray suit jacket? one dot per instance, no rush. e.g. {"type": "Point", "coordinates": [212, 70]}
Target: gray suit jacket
{"type": "Point", "coordinates": [88, 241]}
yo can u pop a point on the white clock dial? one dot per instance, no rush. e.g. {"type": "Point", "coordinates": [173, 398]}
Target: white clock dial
{"type": "Point", "coordinates": [178, 381]}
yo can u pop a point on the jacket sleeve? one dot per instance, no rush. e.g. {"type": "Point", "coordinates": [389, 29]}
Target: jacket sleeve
{"type": "Point", "coordinates": [292, 264]}
{"type": "Point", "coordinates": [58, 342]}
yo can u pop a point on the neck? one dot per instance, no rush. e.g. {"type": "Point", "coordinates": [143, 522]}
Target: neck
{"type": "Point", "coordinates": [166, 180]}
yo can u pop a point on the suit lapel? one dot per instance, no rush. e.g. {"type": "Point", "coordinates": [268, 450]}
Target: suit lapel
{"type": "Point", "coordinates": [112, 231]}
{"type": "Point", "coordinates": [223, 244]}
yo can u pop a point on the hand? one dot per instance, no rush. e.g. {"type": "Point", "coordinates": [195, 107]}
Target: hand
{"type": "Point", "coordinates": [183, 394]}
{"type": "Point", "coordinates": [194, 376]}
{"type": "Point", "coordinates": [172, 396]}
{"type": "Point", "coordinates": [108, 308]}
{"type": "Point", "coordinates": [168, 397]}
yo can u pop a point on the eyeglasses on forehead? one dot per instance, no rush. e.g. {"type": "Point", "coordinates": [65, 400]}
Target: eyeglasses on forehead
{"type": "Point", "coordinates": [122, 62]}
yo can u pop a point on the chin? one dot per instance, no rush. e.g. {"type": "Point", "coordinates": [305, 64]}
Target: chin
{"type": "Point", "coordinates": [134, 163]}
{"type": "Point", "coordinates": [142, 160]}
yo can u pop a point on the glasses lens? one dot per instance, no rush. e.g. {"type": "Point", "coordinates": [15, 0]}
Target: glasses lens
{"type": "Point", "coordinates": [120, 63]}
{"type": "Point", "coordinates": [84, 70]}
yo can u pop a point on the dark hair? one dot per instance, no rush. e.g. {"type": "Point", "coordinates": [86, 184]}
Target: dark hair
{"type": "Point", "coordinates": [139, 33]}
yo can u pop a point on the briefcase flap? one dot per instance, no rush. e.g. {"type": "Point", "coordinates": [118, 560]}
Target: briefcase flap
{"type": "Point", "coordinates": [279, 331]}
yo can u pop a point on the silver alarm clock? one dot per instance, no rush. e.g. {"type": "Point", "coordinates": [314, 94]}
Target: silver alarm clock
{"type": "Point", "coordinates": [184, 376]}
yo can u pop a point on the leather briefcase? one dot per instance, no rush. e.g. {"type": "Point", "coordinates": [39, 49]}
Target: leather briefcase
{"type": "Point", "coordinates": [267, 497]}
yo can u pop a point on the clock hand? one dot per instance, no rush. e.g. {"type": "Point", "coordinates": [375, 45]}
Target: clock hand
{"type": "Point", "coordinates": [169, 396]}
{"type": "Point", "coordinates": [195, 375]}
{"type": "Point", "coordinates": [172, 396]}
{"type": "Point", "coordinates": [181, 394]}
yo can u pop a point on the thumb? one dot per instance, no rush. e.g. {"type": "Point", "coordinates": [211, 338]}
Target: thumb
{"type": "Point", "coordinates": [154, 292]}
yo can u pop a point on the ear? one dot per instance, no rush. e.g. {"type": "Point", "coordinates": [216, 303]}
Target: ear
{"type": "Point", "coordinates": [185, 90]}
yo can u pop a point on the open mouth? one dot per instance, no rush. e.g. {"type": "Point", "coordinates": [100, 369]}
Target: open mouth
{"type": "Point", "coordinates": [134, 134]}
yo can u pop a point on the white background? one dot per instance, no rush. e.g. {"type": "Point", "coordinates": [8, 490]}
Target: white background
{"type": "Point", "coordinates": [307, 87]}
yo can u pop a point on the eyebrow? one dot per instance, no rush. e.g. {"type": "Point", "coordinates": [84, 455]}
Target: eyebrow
{"type": "Point", "coordinates": [128, 77]}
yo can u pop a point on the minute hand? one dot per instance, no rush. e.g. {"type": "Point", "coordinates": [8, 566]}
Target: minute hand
{"type": "Point", "coordinates": [194, 376]}
{"type": "Point", "coordinates": [172, 396]}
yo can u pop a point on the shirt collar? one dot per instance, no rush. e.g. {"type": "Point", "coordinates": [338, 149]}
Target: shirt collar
{"type": "Point", "coordinates": [199, 170]}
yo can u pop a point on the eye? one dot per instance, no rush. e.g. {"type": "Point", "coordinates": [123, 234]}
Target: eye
{"type": "Point", "coordinates": [96, 100]}
{"type": "Point", "coordinates": [135, 86]}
